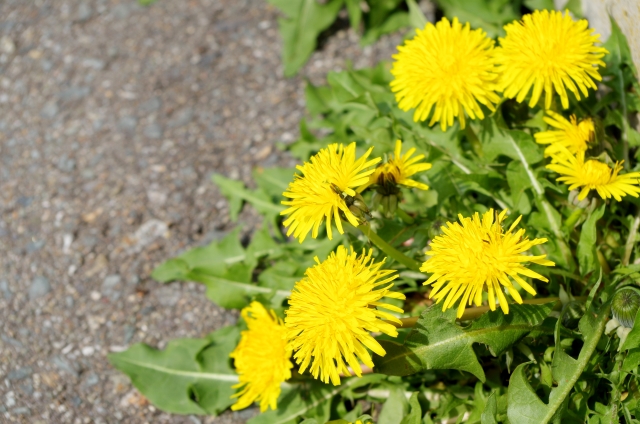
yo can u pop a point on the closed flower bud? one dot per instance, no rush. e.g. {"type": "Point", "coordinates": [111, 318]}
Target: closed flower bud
{"type": "Point", "coordinates": [625, 305]}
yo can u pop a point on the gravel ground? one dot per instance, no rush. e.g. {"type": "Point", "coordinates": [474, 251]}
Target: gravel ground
{"type": "Point", "coordinates": [112, 119]}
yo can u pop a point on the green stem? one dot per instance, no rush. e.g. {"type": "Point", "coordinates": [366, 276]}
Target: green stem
{"type": "Point", "coordinates": [573, 218]}
{"type": "Point", "coordinates": [388, 249]}
{"type": "Point", "coordinates": [474, 141]}
{"type": "Point", "coordinates": [405, 217]}
{"type": "Point", "coordinates": [625, 124]}
{"type": "Point", "coordinates": [631, 239]}
{"type": "Point", "coordinates": [588, 348]}
{"type": "Point", "coordinates": [473, 313]}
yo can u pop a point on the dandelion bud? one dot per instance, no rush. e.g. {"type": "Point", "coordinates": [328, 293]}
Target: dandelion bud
{"type": "Point", "coordinates": [624, 306]}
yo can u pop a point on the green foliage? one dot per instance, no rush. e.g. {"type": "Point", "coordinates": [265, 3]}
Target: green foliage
{"type": "Point", "coordinates": [525, 406]}
{"type": "Point", "coordinates": [437, 342]}
{"type": "Point", "coordinates": [549, 361]}
{"type": "Point", "coordinates": [304, 21]}
{"type": "Point", "coordinates": [490, 15]}
{"type": "Point", "coordinates": [191, 376]}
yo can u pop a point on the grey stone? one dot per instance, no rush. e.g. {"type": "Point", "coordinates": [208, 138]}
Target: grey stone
{"type": "Point", "coordinates": [129, 331]}
{"type": "Point", "coordinates": [13, 342]}
{"type": "Point", "coordinates": [109, 287]}
{"type": "Point", "coordinates": [19, 374]}
{"type": "Point", "coordinates": [73, 93]}
{"type": "Point", "coordinates": [148, 232]}
{"type": "Point", "coordinates": [89, 241]}
{"type": "Point", "coordinates": [64, 365]}
{"type": "Point", "coordinates": [68, 301]}
{"type": "Point", "coordinates": [151, 105]}
{"type": "Point", "coordinates": [47, 65]}
{"type": "Point", "coordinates": [24, 201]}
{"type": "Point", "coordinates": [49, 110]}
{"type": "Point", "coordinates": [85, 12]}
{"type": "Point", "coordinates": [91, 380]}
{"type": "Point", "coordinates": [128, 124]}
{"type": "Point", "coordinates": [153, 131]}
{"type": "Point", "coordinates": [168, 295]}
{"type": "Point", "coordinates": [7, 45]}
{"type": "Point", "coordinates": [27, 387]}
{"type": "Point", "coordinates": [122, 10]}
{"type": "Point", "coordinates": [39, 287]}
{"type": "Point", "coordinates": [34, 246]}
{"type": "Point", "coordinates": [5, 290]}
{"type": "Point", "coordinates": [23, 410]}
{"type": "Point", "coordinates": [180, 118]}
{"type": "Point", "coordinates": [96, 64]}
{"type": "Point", "coordinates": [66, 164]}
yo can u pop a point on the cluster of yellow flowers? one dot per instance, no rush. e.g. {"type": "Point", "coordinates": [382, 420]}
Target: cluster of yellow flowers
{"type": "Point", "coordinates": [568, 145]}
{"type": "Point", "coordinates": [446, 71]}
{"type": "Point", "coordinates": [450, 69]}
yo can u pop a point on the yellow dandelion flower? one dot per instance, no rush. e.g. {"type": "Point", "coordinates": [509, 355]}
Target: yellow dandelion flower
{"type": "Point", "coordinates": [447, 68]}
{"type": "Point", "coordinates": [551, 52]}
{"type": "Point", "coordinates": [398, 169]}
{"type": "Point", "coordinates": [478, 252]}
{"type": "Point", "coordinates": [333, 309]}
{"type": "Point", "coordinates": [262, 358]}
{"type": "Point", "coordinates": [325, 189]}
{"type": "Point", "coordinates": [595, 175]}
{"type": "Point", "coordinates": [573, 136]}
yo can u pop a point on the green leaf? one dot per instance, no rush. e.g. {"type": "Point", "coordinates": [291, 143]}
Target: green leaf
{"type": "Point", "coordinates": [380, 10]}
{"type": "Point", "coordinates": [618, 47]}
{"type": "Point", "coordinates": [273, 181]}
{"type": "Point", "coordinates": [633, 338]}
{"type": "Point", "coordinates": [632, 360]}
{"type": "Point", "coordinates": [490, 410]}
{"type": "Point", "coordinates": [236, 193]}
{"type": "Point", "coordinates": [355, 13]}
{"type": "Point", "coordinates": [587, 245]}
{"type": "Point", "coordinates": [437, 342]}
{"type": "Point", "coordinates": [539, 4]}
{"type": "Point", "coordinates": [393, 23]}
{"type": "Point", "coordinates": [517, 145]}
{"type": "Point", "coordinates": [216, 257]}
{"type": "Point", "coordinates": [519, 181]}
{"type": "Point", "coordinates": [394, 408]}
{"type": "Point", "coordinates": [305, 20]}
{"type": "Point", "coordinates": [233, 294]}
{"type": "Point", "coordinates": [306, 401]}
{"type": "Point", "coordinates": [226, 269]}
{"type": "Point", "coordinates": [191, 376]}
{"type": "Point", "coordinates": [416, 17]}
{"type": "Point", "coordinates": [524, 405]}
{"type": "Point", "coordinates": [415, 411]}
{"type": "Point", "coordinates": [490, 15]}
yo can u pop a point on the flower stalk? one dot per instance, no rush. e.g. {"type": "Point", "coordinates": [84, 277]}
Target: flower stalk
{"type": "Point", "coordinates": [388, 249]}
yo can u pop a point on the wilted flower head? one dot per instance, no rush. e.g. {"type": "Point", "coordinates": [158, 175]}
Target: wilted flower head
{"type": "Point", "coordinates": [333, 309]}
{"type": "Point", "coordinates": [262, 358]}
{"type": "Point", "coordinates": [446, 68]}
{"type": "Point", "coordinates": [550, 52]}
{"type": "Point", "coordinates": [326, 190]}
{"type": "Point", "coordinates": [475, 253]}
